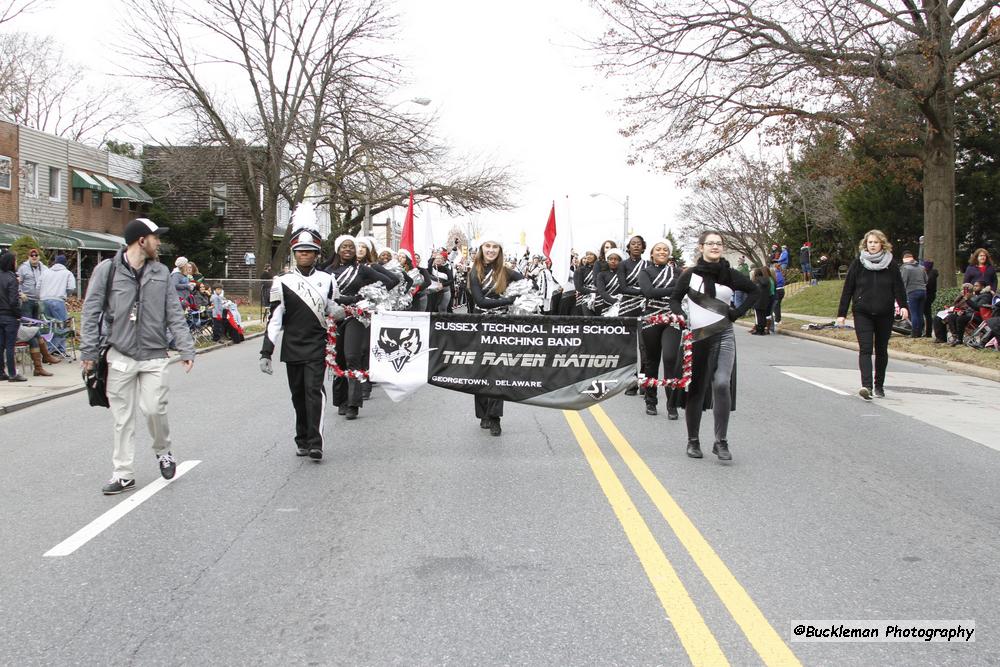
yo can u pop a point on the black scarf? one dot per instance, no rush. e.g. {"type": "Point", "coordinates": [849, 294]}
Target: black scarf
{"type": "Point", "coordinates": [712, 273]}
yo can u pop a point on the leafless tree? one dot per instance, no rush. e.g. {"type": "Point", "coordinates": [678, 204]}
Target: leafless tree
{"type": "Point", "coordinates": [739, 201]}
{"type": "Point", "coordinates": [41, 89]}
{"type": "Point", "coordinates": [708, 73]}
{"type": "Point", "coordinates": [267, 80]}
{"type": "Point", "coordinates": [11, 9]}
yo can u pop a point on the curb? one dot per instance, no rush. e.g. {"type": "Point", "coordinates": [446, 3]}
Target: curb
{"type": "Point", "coordinates": [28, 402]}
{"type": "Point", "coordinates": [952, 366]}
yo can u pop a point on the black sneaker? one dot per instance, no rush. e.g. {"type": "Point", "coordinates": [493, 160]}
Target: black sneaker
{"type": "Point", "coordinates": [484, 422]}
{"type": "Point", "coordinates": [315, 453]}
{"type": "Point", "coordinates": [302, 451]}
{"type": "Point", "coordinates": [116, 486]}
{"type": "Point", "coordinates": [672, 414]}
{"type": "Point", "coordinates": [495, 426]}
{"type": "Point", "coordinates": [865, 393]}
{"type": "Point", "coordinates": [721, 449]}
{"type": "Point", "coordinates": [879, 392]}
{"type": "Point", "coordinates": [651, 410]}
{"type": "Point", "coordinates": [168, 465]}
{"type": "Point", "coordinates": [341, 410]}
{"type": "Point", "coordinates": [352, 412]}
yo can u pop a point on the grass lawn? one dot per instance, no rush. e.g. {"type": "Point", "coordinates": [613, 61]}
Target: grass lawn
{"type": "Point", "coordinates": [821, 300]}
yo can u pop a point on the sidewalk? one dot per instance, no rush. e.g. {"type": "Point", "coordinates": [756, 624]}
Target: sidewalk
{"type": "Point", "coordinates": [66, 379]}
{"type": "Point", "coordinates": [948, 365]}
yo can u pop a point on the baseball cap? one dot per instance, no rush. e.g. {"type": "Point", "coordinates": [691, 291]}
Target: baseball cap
{"type": "Point", "coordinates": [140, 227]}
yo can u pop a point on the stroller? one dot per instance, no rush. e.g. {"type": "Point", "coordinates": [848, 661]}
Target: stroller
{"type": "Point", "coordinates": [988, 330]}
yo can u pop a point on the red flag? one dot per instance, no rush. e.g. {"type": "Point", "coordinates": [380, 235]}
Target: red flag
{"type": "Point", "coordinates": [406, 239]}
{"type": "Point", "coordinates": [550, 232]}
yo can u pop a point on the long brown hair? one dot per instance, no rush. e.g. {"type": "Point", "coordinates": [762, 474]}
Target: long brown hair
{"type": "Point", "coordinates": [974, 257]}
{"type": "Point", "coordinates": [499, 270]}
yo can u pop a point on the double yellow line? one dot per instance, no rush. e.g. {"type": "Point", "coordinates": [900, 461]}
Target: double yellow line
{"type": "Point", "coordinates": [699, 642]}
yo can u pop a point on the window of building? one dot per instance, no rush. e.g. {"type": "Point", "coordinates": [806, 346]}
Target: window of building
{"type": "Point", "coordinates": [55, 183]}
{"type": "Point", "coordinates": [31, 179]}
{"type": "Point", "coordinates": [4, 172]}
{"type": "Point", "coordinates": [116, 203]}
{"type": "Point", "coordinates": [96, 198]}
{"type": "Point", "coordinates": [77, 195]}
{"type": "Point", "coordinates": [217, 200]}
{"type": "Point", "coordinates": [133, 206]}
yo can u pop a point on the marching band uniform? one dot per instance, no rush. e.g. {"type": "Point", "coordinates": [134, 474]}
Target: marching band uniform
{"type": "Point", "coordinates": [301, 300]}
{"type": "Point", "coordinates": [632, 302]}
{"type": "Point", "coordinates": [607, 283]}
{"type": "Point", "coordinates": [708, 290]}
{"type": "Point", "coordinates": [350, 276]}
{"type": "Point", "coordinates": [483, 298]}
{"type": "Point", "coordinates": [662, 341]}
{"type": "Point", "coordinates": [583, 282]}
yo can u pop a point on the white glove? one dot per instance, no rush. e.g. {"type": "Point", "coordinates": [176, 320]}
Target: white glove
{"type": "Point", "coordinates": [265, 366]}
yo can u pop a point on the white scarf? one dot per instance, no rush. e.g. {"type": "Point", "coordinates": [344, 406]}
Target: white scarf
{"type": "Point", "coordinates": [876, 262]}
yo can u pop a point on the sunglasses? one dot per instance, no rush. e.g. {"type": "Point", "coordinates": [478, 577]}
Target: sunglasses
{"type": "Point", "coordinates": [33, 254]}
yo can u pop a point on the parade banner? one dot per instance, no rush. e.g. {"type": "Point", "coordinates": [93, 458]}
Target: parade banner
{"type": "Point", "coordinates": [556, 362]}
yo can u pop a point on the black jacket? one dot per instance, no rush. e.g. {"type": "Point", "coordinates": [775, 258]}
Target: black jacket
{"type": "Point", "coordinates": [10, 302]}
{"type": "Point", "coordinates": [872, 292]}
{"type": "Point", "coordinates": [481, 299]}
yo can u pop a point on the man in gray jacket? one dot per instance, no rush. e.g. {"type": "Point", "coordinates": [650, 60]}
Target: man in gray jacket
{"type": "Point", "coordinates": [915, 283]}
{"type": "Point", "coordinates": [140, 309]}
{"type": "Point", "coordinates": [30, 273]}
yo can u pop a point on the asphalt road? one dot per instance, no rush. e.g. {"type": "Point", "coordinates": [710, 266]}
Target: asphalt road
{"type": "Point", "coordinates": [574, 539]}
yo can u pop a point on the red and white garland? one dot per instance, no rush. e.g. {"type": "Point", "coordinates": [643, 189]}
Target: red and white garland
{"type": "Point", "coordinates": [331, 349]}
{"type": "Point", "coordinates": [687, 340]}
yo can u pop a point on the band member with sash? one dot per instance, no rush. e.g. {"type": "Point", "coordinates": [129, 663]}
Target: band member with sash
{"type": "Point", "coordinates": [352, 335]}
{"type": "Point", "coordinates": [607, 283]}
{"type": "Point", "coordinates": [300, 300]}
{"type": "Point", "coordinates": [662, 341]}
{"type": "Point", "coordinates": [413, 275]}
{"type": "Point", "coordinates": [488, 279]}
{"type": "Point", "coordinates": [708, 290]}
{"type": "Point", "coordinates": [632, 303]}
{"type": "Point", "coordinates": [583, 282]}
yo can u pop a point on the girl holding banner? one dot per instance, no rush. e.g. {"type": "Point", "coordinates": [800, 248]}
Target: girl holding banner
{"type": "Point", "coordinates": [352, 334]}
{"type": "Point", "coordinates": [488, 279]}
{"type": "Point", "coordinates": [632, 303]}
{"type": "Point", "coordinates": [662, 341]}
{"type": "Point", "coordinates": [607, 285]}
{"type": "Point", "coordinates": [708, 289]}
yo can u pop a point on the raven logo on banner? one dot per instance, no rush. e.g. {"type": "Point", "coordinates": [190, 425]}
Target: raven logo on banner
{"type": "Point", "coordinates": [397, 346]}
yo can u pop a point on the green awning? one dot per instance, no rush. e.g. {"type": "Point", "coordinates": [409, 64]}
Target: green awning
{"type": "Point", "coordinates": [144, 197]}
{"type": "Point", "coordinates": [108, 185]}
{"type": "Point", "coordinates": [85, 240]}
{"type": "Point", "coordinates": [47, 239]}
{"type": "Point", "coordinates": [82, 179]}
{"type": "Point", "coordinates": [125, 192]}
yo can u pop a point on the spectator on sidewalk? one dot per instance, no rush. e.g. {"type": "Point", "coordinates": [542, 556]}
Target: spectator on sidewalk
{"type": "Point", "coordinates": [743, 267]}
{"type": "Point", "coordinates": [783, 257]}
{"type": "Point", "coordinates": [872, 288]}
{"type": "Point", "coordinates": [805, 262]}
{"type": "Point", "coordinates": [10, 315]}
{"type": "Point", "coordinates": [779, 295]}
{"type": "Point", "coordinates": [57, 283]}
{"type": "Point", "coordinates": [30, 274]}
{"type": "Point", "coordinates": [915, 284]}
{"type": "Point", "coordinates": [179, 281]}
{"type": "Point", "coordinates": [762, 308]}
{"type": "Point", "coordinates": [932, 276]}
{"type": "Point", "coordinates": [980, 269]}
{"type": "Point", "coordinates": [954, 318]}
{"type": "Point", "coordinates": [137, 335]}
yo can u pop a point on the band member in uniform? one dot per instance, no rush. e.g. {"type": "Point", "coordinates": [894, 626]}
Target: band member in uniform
{"type": "Point", "coordinates": [632, 303]}
{"type": "Point", "coordinates": [583, 283]}
{"type": "Point", "coordinates": [607, 282]}
{"type": "Point", "coordinates": [350, 276]}
{"type": "Point", "coordinates": [662, 341]}
{"type": "Point", "coordinates": [488, 279]}
{"type": "Point", "coordinates": [709, 287]}
{"type": "Point", "coordinates": [301, 299]}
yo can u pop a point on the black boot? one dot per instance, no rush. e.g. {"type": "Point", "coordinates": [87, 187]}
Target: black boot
{"type": "Point", "coordinates": [495, 426]}
{"type": "Point", "coordinates": [651, 400]}
{"type": "Point", "coordinates": [355, 398]}
{"type": "Point", "coordinates": [721, 449]}
{"type": "Point", "coordinates": [484, 422]}
{"type": "Point", "coordinates": [694, 448]}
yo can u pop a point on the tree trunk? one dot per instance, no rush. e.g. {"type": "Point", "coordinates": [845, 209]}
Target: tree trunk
{"type": "Point", "coordinates": [939, 192]}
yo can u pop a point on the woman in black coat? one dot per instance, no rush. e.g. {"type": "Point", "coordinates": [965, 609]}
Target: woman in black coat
{"type": "Point", "coordinates": [872, 288]}
{"type": "Point", "coordinates": [488, 280]}
{"type": "Point", "coordinates": [10, 316]}
{"type": "Point", "coordinates": [709, 286]}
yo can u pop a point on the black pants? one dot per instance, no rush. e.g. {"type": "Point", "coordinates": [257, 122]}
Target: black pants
{"type": "Point", "coordinates": [957, 324]}
{"type": "Point", "coordinates": [8, 337]}
{"type": "Point", "coordinates": [760, 320]}
{"type": "Point", "coordinates": [352, 337]}
{"type": "Point", "coordinates": [779, 294]}
{"type": "Point", "coordinates": [662, 342]}
{"type": "Point", "coordinates": [488, 407]}
{"type": "Point", "coordinates": [309, 400]}
{"type": "Point", "coordinates": [928, 307]}
{"type": "Point", "coordinates": [873, 331]}
{"type": "Point", "coordinates": [567, 304]}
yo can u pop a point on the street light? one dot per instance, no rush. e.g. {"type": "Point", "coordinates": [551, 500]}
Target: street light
{"type": "Point", "coordinates": [624, 206]}
{"type": "Point", "coordinates": [366, 228]}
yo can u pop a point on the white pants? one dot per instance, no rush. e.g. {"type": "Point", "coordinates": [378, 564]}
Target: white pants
{"type": "Point", "coordinates": [132, 386]}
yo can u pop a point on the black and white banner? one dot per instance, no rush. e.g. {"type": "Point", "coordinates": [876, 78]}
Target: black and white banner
{"type": "Point", "coordinates": [556, 362]}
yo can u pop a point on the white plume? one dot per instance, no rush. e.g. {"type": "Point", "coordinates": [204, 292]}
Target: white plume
{"type": "Point", "coordinates": [304, 215]}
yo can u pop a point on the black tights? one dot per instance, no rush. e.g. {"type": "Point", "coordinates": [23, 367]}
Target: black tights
{"type": "Point", "coordinates": [351, 337]}
{"type": "Point", "coordinates": [873, 329]}
{"type": "Point", "coordinates": [661, 341]}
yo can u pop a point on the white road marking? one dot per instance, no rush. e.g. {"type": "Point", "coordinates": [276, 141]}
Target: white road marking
{"type": "Point", "coordinates": [813, 382]}
{"type": "Point", "coordinates": [106, 520]}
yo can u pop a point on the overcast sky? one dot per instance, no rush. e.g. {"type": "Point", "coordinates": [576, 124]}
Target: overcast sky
{"type": "Point", "coordinates": [509, 81]}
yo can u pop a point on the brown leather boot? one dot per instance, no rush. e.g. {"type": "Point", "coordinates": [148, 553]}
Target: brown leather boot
{"type": "Point", "coordinates": [44, 350]}
{"type": "Point", "coordinates": [36, 358]}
